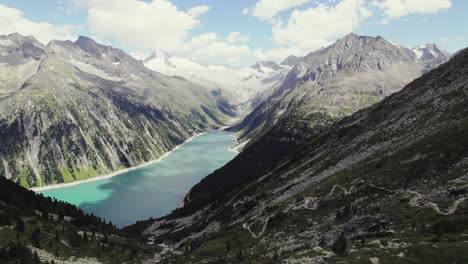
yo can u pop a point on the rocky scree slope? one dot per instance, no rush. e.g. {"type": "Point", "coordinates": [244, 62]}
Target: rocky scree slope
{"type": "Point", "coordinates": [388, 184]}
{"type": "Point", "coordinates": [334, 82]}
{"type": "Point", "coordinates": [70, 111]}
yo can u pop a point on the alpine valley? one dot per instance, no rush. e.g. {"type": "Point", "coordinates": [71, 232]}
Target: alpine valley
{"type": "Point", "coordinates": [71, 111]}
{"type": "Point", "coordinates": [354, 153]}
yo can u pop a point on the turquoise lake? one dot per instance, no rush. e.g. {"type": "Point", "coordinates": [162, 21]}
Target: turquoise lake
{"type": "Point", "coordinates": [153, 190]}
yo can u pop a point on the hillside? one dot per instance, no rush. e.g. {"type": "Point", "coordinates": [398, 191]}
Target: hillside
{"type": "Point", "coordinates": [34, 229]}
{"type": "Point", "coordinates": [74, 110]}
{"type": "Point", "coordinates": [334, 82]}
{"type": "Point", "coordinates": [385, 185]}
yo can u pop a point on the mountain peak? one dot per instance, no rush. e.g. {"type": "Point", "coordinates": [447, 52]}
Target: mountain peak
{"type": "Point", "coordinates": [16, 48]}
{"type": "Point", "coordinates": [84, 39]}
{"type": "Point", "coordinates": [351, 36]}
{"type": "Point", "coordinates": [430, 51]}
{"type": "Point", "coordinates": [261, 66]}
{"type": "Point", "coordinates": [291, 60]}
{"type": "Point", "coordinates": [353, 53]}
{"type": "Point", "coordinates": [89, 45]}
{"type": "Point", "coordinates": [18, 38]}
{"type": "Point", "coordinates": [354, 38]}
{"type": "Point", "coordinates": [158, 54]}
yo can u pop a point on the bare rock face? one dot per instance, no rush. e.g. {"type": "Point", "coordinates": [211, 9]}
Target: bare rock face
{"type": "Point", "coordinates": [334, 82]}
{"type": "Point", "coordinates": [265, 66]}
{"type": "Point", "coordinates": [70, 111]}
{"type": "Point", "coordinates": [291, 61]}
{"type": "Point", "coordinates": [16, 49]}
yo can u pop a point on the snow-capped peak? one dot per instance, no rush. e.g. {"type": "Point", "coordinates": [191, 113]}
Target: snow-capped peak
{"type": "Point", "coordinates": [238, 84]}
{"type": "Point", "coordinates": [266, 66]}
{"type": "Point", "coordinates": [159, 54]}
{"type": "Point", "coordinates": [429, 52]}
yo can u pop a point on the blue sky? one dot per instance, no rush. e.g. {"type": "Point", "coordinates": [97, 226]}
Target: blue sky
{"type": "Point", "coordinates": [237, 32]}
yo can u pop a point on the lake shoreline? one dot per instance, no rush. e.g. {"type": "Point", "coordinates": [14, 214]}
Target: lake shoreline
{"type": "Point", "coordinates": [116, 173]}
{"type": "Point", "coordinates": [233, 149]}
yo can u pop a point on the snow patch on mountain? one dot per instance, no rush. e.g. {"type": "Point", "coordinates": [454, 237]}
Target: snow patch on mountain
{"type": "Point", "coordinates": [240, 85]}
{"type": "Point", "coordinates": [429, 52]}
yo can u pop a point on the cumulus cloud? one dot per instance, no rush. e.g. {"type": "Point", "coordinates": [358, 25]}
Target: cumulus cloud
{"type": "Point", "coordinates": [235, 37]}
{"type": "Point", "coordinates": [140, 54]}
{"type": "Point", "coordinates": [316, 27]}
{"type": "Point", "coordinates": [245, 11]}
{"type": "Point", "coordinates": [279, 54]}
{"type": "Point", "coordinates": [267, 9]}
{"type": "Point", "coordinates": [393, 9]}
{"type": "Point", "coordinates": [160, 25]}
{"type": "Point", "coordinates": [13, 20]}
{"type": "Point", "coordinates": [142, 25]}
{"type": "Point", "coordinates": [198, 10]}
{"type": "Point", "coordinates": [211, 46]}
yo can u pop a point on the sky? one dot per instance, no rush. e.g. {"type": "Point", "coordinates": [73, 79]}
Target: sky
{"type": "Point", "coordinates": [237, 32]}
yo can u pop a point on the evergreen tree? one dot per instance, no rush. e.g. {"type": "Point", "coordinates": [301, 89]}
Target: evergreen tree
{"type": "Point", "coordinates": [323, 242]}
{"type": "Point", "coordinates": [36, 237]}
{"type": "Point", "coordinates": [37, 260]}
{"type": "Point", "coordinates": [342, 245]}
{"type": "Point", "coordinates": [19, 225]}
{"type": "Point", "coordinates": [74, 238]}
{"type": "Point", "coordinates": [275, 257]}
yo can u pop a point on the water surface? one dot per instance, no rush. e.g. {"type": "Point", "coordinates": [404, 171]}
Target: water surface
{"type": "Point", "coordinates": [153, 190]}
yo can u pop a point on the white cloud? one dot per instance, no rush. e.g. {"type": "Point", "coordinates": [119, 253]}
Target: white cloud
{"type": "Point", "coordinates": [245, 11]}
{"type": "Point", "coordinates": [393, 9]}
{"type": "Point", "coordinates": [279, 54]}
{"type": "Point", "coordinates": [160, 25]}
{"type": "Point", "coordinates": [316, 27]}
{"type": "Point", "coordinates": [157, 24]}
{"type": "Point", "coordinates": [267, 9]}
{"type": "Point", "coordinates": [140, 54]}
{"type": "Point", "coordinates": [235, 37]}
{"type": "Point", "coordinates": [13, 20]}
{"type": "Point", "coordinates": [210, 46]}
{"type": "Point", "coordinates": [451, 40]}
{"type": "Point", "coordinates": [198, 10]}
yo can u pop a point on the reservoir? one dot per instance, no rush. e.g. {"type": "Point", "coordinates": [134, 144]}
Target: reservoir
{"type": "Point", "coordinates": [153, 190]}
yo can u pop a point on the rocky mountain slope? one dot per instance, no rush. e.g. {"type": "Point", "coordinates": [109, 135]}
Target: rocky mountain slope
{"type": "Point", "coordinates": [242, 86]}
{"type": "Point", "coordinates": [328, 84]}
{"type": "Point", "coordinates": [388, 184]}
{"type": "Point", "coordinates": [291, 61]}
{"type": "Point", "coordinates": [70, 111]}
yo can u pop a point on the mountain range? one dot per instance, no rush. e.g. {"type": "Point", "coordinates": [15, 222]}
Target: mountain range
{"type": "Point", "coordinates": [244, 87]}
{"type": "Point", "coordinates": [73, 110]}
{"type": "Point", "coordinates": [334, 82]}
{"type": "Point", "coordinates": [354, 153]}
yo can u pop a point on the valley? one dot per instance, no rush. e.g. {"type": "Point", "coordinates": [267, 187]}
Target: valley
{"type": "Point", "coordinates": [353, 153]}
{"type": "Point", "coordinates": [152, 190]}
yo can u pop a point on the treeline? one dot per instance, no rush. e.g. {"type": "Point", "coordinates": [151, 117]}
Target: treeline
{"type": "Point", "coordinates": [26, 202]}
